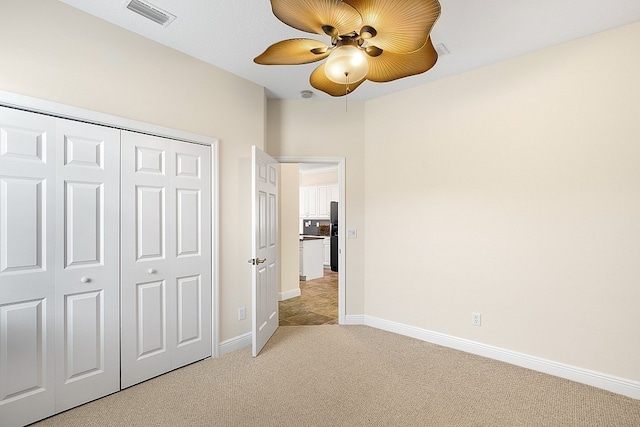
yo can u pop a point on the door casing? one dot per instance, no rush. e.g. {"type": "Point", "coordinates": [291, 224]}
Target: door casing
{"type": "Point", "coordinates": [340, 162]}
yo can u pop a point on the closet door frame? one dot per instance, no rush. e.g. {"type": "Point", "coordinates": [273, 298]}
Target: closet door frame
{"type": "Point", "coordinates": [13, 100]}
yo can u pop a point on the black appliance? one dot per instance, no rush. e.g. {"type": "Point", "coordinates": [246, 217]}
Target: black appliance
{"type": "Point", "coordinates": [334, 236]}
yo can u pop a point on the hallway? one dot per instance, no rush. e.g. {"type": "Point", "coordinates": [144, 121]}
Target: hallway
{"type": "Point", "coordinates": [317, 304]}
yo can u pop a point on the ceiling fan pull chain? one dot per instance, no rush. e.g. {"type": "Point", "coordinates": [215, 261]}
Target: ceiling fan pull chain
{"type": "Point", "coordinates": [346, 92]}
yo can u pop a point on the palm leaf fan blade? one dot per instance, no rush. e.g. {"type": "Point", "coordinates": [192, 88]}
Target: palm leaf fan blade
{"type": "Point", "coordinates": [320, 81]}
{"type": "Point", "coordinates": [293, 52]}
{"type": "Point", "coordinates": [392, 66]}
{"type": "Point", "coordinates": [312, 15]}
{"type": "Point", "coordinates": [402, 25]}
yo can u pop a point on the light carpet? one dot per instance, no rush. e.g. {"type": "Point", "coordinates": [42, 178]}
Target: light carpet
{"type": "Point", "coordinates": [354, 376]}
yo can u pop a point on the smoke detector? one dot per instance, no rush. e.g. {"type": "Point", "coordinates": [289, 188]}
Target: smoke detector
{"type": "Point", "coordinates": [150, 11]}
{"type": "Point", "coordinates": [306, 94]}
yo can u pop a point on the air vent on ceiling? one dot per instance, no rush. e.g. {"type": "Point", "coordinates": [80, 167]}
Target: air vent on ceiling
{"type": "Point", "coordinates": [151, 12]}
{"type": "Point", "coordinates": [442, 49]}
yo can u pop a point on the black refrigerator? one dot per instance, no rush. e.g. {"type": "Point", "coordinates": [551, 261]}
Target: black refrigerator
{"type": "Point", "coordinates": [334, 236]}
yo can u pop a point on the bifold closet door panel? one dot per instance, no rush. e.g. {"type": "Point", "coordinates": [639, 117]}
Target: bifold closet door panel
{"type": "Point", "coordinates": [27, 260]}
{"type": "Point", "coordinates": [145, 265]}
{"type": "Point", "coordinates": [166, 255]}
{"type": "Point", "coordinates": [191, 188]}
{"type": "Point", "coordinates": [87, 270]}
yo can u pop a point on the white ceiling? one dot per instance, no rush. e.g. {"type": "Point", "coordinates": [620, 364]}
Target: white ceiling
{"type": "Point", "coordinates": [229, 34]}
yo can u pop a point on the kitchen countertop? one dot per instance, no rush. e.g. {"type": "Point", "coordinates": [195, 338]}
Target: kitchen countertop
{"type": "Point", "coordinates": [308, 237]}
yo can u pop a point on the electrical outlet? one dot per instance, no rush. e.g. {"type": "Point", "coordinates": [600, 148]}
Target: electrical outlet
{"type": "Point", "coordinates": [476, 319]}
{"type": "Point", "coordinates": [242, 313]}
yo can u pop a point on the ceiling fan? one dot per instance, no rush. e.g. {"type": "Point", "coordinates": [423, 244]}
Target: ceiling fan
{"type": "Point", "coordinates": [377, 40]}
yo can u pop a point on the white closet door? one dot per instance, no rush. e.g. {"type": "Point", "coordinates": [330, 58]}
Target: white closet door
{"type": "Point", "coordinates": [27, 259]}
{"type": "Point", "coordinates": [166, 256]}
{"type": "Point", "coordinates": [87, 269]}
{"type": "Point", "coordinates": [191, 257]}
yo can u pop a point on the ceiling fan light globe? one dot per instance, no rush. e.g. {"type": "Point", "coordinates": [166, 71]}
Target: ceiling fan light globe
{"type": "Point", "coordinates": [346, 63]}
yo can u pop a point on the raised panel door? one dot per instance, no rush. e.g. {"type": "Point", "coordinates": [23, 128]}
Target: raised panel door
{"type": "Point", "coordinates": [27, 259]}
{"type": "Point", "coordinates": [166, 255]}
{"type": "Point", "coordinates": [191, 252]}
{"type": "Point", "coordinates": [87, 272]}
{"type": "Point", "coordinates": [265, 248]}
{"type": "Point", "coordinates": [146, 270]}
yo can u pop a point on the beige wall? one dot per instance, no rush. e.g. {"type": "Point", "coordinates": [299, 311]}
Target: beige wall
{"type": "Point", "coordinates": [289, 231]}
{"type": "Point", "coordinates": [319, 178]}
{"type": "Point", "coordinates": [54, 52]}
{"type": "Point", "coordinates": [513, 191]}
{"type": "Point", "coordinates": [308, 128]}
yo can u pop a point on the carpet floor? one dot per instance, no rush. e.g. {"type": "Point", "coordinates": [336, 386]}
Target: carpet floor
{"type": "Point", "coordinates": [354, 376]}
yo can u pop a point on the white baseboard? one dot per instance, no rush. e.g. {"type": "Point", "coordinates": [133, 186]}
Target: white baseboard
{"type": "Point", "coordinates": [354, 319]}
{"type": "Point", "coordinates": [236, 343]}
{"type": "Point", "coordinates": [596, 379]}
{"type": "Point", "coordinates": [289, 294]}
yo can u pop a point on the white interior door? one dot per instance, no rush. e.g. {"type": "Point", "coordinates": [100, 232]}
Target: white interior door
{"type": "Point", "coordinates": [166, 255]}
{"type": "Point", "coordinates": [87, 267]}
{"type": "Point", "coordinates": [266, 274]}
{"type": "Point", "coordinates": [27, 260]}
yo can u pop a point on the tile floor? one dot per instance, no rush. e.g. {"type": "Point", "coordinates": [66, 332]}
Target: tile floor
{"type": "Point", "coordinates": [317, 304]}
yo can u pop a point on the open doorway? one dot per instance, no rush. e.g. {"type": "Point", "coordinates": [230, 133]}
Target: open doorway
{"type": "Point", "coordinates": [317, 297]}
{"type": "Point", "coordinates": [316, 305]}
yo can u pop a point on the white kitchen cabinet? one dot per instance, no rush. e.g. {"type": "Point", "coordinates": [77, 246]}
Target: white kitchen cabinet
{"type": "Point", "coordinates": [315, 200]}
{"type": "Point", "coordinates": [311, 258]}
{"type": "Point", "coordinates": [327, 251]}
{"type": "Point", "coordinates": [335, 193]}
{"type": "Point", "coordinates": [309, 202]}
{"type": "Point", "coordinates": [324, 201]}
{"type": "Point", "coordinates": [300, 260]}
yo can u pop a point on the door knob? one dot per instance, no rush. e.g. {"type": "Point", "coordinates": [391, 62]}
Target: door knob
{"type": "Point", "coordinates": [256, 261]}
{"type": "Point", "coordinates": [85, 279]}
{"type": "Point", "coordinates": [151, 271]}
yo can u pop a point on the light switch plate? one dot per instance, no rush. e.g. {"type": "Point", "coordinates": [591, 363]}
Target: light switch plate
{"type": "Point", "coordinates": [352, 233]}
